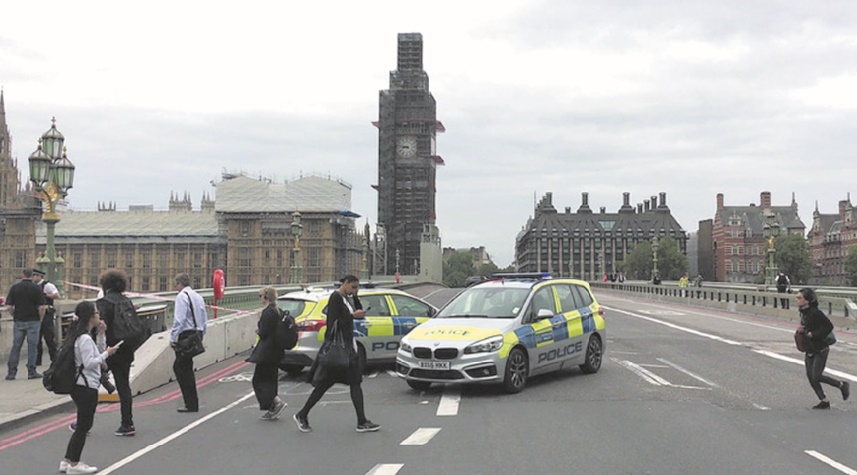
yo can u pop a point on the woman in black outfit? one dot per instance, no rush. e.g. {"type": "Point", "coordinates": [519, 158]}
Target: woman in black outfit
{"type": "Point", "coordinates": [817, 327]}
{"type": "Point", "coordinates": [342, 308]}
{"type": "Point", "coordinates": [267, 356]}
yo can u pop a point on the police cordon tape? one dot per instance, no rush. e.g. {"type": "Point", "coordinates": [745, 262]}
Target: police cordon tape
{"type": "Point", "coordinates": [235, 312]}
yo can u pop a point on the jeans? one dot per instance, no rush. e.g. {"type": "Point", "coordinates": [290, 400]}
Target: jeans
{"type": "Point", "coordinates": [815, 363]}
{"type": "Point", "coordinates": [21, 330]}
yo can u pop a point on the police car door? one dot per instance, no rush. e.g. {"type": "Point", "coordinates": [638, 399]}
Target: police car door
{"type": "Point", "coordinates": [573, 335]}
{"type": "Point", "coordinates": [543, 356]}
{"type": "Point", "coordinates": [377, 328]}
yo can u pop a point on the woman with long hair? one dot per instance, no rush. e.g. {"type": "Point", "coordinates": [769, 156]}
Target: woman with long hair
{"type": "Point", "coordinates": [817, 328]}
{"type": "Point", "coordinates": [88, 362]}
{"type": "Point", "coordinates": [267, 355]}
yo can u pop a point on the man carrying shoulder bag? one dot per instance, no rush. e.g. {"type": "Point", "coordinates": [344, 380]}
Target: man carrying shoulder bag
{"type": "Point", "coordinates": [189, 323]}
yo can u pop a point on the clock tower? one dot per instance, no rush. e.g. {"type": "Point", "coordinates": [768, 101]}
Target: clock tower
{"type": "Point", "coordinates": [407, 159]}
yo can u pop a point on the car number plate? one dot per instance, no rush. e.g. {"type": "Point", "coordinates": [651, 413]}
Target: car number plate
{"type": "Point", "coordinates": [434, 365]}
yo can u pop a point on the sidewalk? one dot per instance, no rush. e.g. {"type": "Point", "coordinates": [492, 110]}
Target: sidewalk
{"type": "Point", "coordinates": [23, 399]}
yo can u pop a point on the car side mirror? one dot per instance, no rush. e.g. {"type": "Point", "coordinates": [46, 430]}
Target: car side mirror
{"type": "Point", "coordinates": [431, 312]}
{"type": "Point", "coordinates": [544, 313]}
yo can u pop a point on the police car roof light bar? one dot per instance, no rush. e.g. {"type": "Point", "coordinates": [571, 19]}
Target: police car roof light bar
{"type": "Point", "coordinates": [522, 275]}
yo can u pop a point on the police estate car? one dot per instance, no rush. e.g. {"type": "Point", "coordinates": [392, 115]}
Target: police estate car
{"type": "Point", "coordinates": [391, 314]}
{"type": "Point", "coordinates": [504, 331]}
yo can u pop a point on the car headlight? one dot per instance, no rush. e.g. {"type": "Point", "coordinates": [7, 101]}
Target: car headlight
{"type": "Point", "coordinates": [404, 346]}
{"type": "Point", "coordinates": [485, 346]}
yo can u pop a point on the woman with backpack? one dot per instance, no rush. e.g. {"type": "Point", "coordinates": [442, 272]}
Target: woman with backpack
{"type": "Point", "coordinates": [88, 362]}
{"type": "Point", "coordinates": [818, 332]}
{"type": "Point", "coordinates": [267, 355]}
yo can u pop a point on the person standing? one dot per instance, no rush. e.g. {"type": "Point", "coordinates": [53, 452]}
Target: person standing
{"type": "Point", "coordinates": [85, 392]}
{"type": "Point", "coordinates": [47, 331]}
{"type": "Point", "coordinates": [26, 303]}
{"type": "Point", "coordinates": [342, 308]}
{"type": "Point", "coordinates": [783, 285]}
{"type": "Point", "coordinates": [113, 283]}
{"type": "Point", "coordinates": [189, 317]}
{"type": "Point", "coordinates": [817, 328]}
{"type": "Point", "coordinates": [683, 283]}
{"type": "Point", "coordinates": [267, 355]}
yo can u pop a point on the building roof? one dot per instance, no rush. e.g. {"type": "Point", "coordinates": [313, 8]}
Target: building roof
{"type": "Point", "coordinates": [76, 224]}
{"type": "Point", "coordinates": [754, 217]}
{"type": "Point", "coordinates": [308, 194]}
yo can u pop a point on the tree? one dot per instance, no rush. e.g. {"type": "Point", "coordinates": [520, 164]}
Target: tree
{"type": "Point", "coordinates": [793, 258]}
{"type": "Point", "coordinates": [851, 266]}
{"type": "Point", "coordinates": [671, 262]}
{"type": "Point", "coordinates": [456, 268]}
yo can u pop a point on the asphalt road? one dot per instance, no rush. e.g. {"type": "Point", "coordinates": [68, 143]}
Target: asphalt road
{"type": "Point", "coordinates": [681, 391]}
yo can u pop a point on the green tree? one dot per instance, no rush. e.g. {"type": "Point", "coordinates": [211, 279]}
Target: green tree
{"type": "Point", "coordinates": [638, 263]}
{"type": "Point", "coordinates": [793, 258]}
{"type": "Point", "coordinates": [851, 266]}
{"type": "Point", "coordinates": [456, 268]}
{"type": "Point", "coordinates": [487, 269]}
{"type": "Point", "coordinates": [671, 262]}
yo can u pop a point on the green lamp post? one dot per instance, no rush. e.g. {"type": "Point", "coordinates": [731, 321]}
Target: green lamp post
{"type": "Point", "coordinates": [771, 231]}
{"type": "Point", "coordinates": [52, 175]}
{"type": "Point", "coordinates": [656, 278]}
{"type": "Point", "coordinates": [297, 228]}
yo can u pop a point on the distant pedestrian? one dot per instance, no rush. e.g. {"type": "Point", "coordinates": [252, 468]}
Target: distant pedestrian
{"type": "Point", "coordinates": [113, 283]}
{"type": "Point", "coordinates": [784, 285]}
{"type": "Point", "coordinates": [47, 331]}
{"type": "Point", "coordinates": [267, 355]}
{"type": "Point", "coordinates": [818, 331]}
{"type": "Point", "coordinates": [85, 393]}
{"type": "Point", "coordinates": [189, 317]}
{"type": "Point", "coordinates": [698, 280]}
{"type": "Point", "coordinates": [342, 308]}
{"type": "Point", "coordinates": [683, 282]}
{"type": "Point", "coordinates": [26, 303]}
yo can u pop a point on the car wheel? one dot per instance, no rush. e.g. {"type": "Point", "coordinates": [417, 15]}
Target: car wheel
{"type": "Point", "coordinates": [292, 370]}
{"type": "Point", "coordinates": [593, 355]}
{"type": "Point", "coordinates": [517, 370]}
{"type": "Point", "coordinates": [419, 385]}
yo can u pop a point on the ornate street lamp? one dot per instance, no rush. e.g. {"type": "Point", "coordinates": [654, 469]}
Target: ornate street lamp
{"type": "Point", "coordinates": [364, 268]}
{"type": "Point", "coordinates": [656, 278]}
{"type": "Point", "coordinates": [297, 229]}
{"type": "Point", "coordinates": [771, 230]}
{"type": "Point", "coordinates": [52, 175]}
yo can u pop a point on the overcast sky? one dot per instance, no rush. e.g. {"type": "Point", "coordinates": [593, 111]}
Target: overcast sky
{"type": "Point", "coordinates": [687, 97]}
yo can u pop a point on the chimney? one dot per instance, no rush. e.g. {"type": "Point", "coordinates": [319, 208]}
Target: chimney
{"type": "Point", "coordinates": [584, 199]}
{"type": "Point", "coordinates": [568, 210]}
{"type": "Point", "coordinates": [603, 210]}
{"type": "Point", "coordinates": [765, 200]}
{"type": "Point", "coordinates": [626, 199]}
{"type": "Point", "coordinates": [663, 199]}
{"type": "Point", "coordinates": [639, 207]}
{"type": "Point", "coordinates": [719, 201]}
{"type": "Point", "coordinates": [842, 205]}
{"type": "Point", "coordinates": [646, 205]}
{"type": "Point", "coordinates": [654, 200]}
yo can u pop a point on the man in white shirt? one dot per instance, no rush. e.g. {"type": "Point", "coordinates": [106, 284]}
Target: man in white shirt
{"type": "Point", "coordinates": [189, 316]}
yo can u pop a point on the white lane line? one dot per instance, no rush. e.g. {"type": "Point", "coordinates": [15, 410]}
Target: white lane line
{"type": "Point", "coordinates": [678, 327]}
{"type": "Point", "coordinates": [373, 374]}
{"type": "Point", "coordinates": [789, 359]}
{"type": "Point", "coordinates": [647, 375]}
{"type": "Point", "coordinates": [392, 373]}
{"type": "Point", "coordinates": [761, 407]}
{"type": "Point", "coordinates": [449, 402]}
{"type": "Point", "coordinates": [831, 462]}
{"type": "Point", "coordinates": [173, 436]}
{"type": "Point", "coordinates": [652, 365]}
{"type": "Point", "coordinates": [689, 373]}
{"type": "Point", "coordinates": [386, 469]}
{"type": "Point", "coordinates": [421, 436]}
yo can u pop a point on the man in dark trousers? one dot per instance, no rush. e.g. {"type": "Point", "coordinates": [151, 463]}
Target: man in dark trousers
{"type": "Point", "coordinates": [47, 331]}
{"type": "Point", "coordinates": [189, 316]}
{"type": "Point", "coordinates": [783, 285]}
{"type": "Point", "coordinates": [26, 304]}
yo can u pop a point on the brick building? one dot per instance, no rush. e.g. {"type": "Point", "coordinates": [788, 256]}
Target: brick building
{"type": "Point", "coordinates": [830, 239]}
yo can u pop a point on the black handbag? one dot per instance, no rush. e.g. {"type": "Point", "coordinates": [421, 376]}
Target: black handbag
{"type": "Point", "coordinates": [333, 354]}
{"type": "Point", "coordinates": [191, 345]}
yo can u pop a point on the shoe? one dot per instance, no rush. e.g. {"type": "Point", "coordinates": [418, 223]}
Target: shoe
{"type": "Point", "coordinates": [63, 466]}
{"type": "Point", "coordinates": [277, 408]}
{"type": "Point", "coordinates": [266, 416]}
{"type": "Point", "coordinates": [10, 377]}
{"type": "Point", "coordinates": [81, 467]}
{"type": "Point", "coordinates": [186, 409]}
{"type": "Point", "coordinates": [73, 426]}
{"type": "Point", "coordinates": [303, 423]}
{"type": "Point", "coordinates": [34, 376]}
{"type": "Point", "coordinates": [124, 431]}
{"type": "Point", "coordinates": [846, 390]}
{"type": "Point", "coordinates": [822, 405]}
{"type": "Point", "coordinates": [368, 426]}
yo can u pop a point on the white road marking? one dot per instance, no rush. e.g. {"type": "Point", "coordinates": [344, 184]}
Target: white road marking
{"type": "Point", "coordinates": [829, 461]}
{"type": "Point", "coordinates": [648, 365]}
{"type": "Point", "coordinates": [386, 469]}
{"type": "Point", "coordinates": [173, 436]}
{"type": "Point", "coordinates": [421, 436]}
{"type": "Point", "coordinates": [623, 352]}
{"type": "Point", "coordinates": [373, 374]}
{"type": "Point", "coordinates": [652, 378]}
{"type": "Point", "coordinates": [687, 372]}
{"type": "Point", "coordinates": [449, 402]}
{"type": "Point", "coordinates": [678, 327]}
{"type": "Point", "coordinates": [392, 373]}
{"type": "Point", "coordinates": [761, 407]}
{"type": "Point", "coordinates": [789, 359]}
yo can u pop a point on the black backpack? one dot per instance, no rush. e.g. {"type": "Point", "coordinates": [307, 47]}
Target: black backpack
{"type": "Point", "coordinates": [61, 377]}
{"type": "Point", "coordinates": [287, 331]}
{"type": "Point", "coordinates": [126, 325]}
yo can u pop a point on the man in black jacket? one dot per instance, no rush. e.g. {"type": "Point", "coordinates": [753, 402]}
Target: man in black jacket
{"type": "Point", "coordinates": [47, 331]}
{"type": "Point", "coordinates": [26, 303]}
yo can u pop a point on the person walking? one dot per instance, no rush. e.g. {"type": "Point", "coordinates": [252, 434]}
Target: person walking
{"type": "Point", "coordinates": [267, 355]}
{"type": "Point", "coordinates": [189, 317]}
{"type": "Point", "coordinates": [817, 329]}
{"type": "Point", "coordinates": [342, 308]}
{"type": "Point", "coordinates": [26, 303]}
{"type": "Point", "coordinates": [113, 283]}
{"type": "Point", "coordinates": [85, 392]}
{"type": "Point", "coordinates": [47, 331]}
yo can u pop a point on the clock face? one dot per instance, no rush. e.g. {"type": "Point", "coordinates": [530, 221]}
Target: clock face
{"type": "Point", "coordinates": [406, 146]}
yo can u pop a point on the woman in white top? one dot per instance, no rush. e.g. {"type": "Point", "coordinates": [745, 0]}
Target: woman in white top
{"type": "Point", "coordinates": [88, 361]}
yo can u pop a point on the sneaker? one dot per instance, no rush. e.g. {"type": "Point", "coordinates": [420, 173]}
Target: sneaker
{"type": "Point", "coordinates": [81, 467]}
{"type": "Point", "coordinates": [63, 466]}
{"type": "Point", "coordinates": [846, 390]}
{"type": "Point", "coordinates": [266, 416]}
{"type": "Point", "coordinates": [303, 423]}
{"type": "Point", "coordinates": [34, 376]}
{"type": "Point", "coordinates": [73, 426]}
{"type": "Point", "coordinates": [277, 408]}
{"type": "Point", "coordinates": [124, 431]}
{"type": "Point", "coordinates": [368, 426]}
{"type": "Point", "coordinates": [822, 405]}
{"type": "Point", "coordinates": [10, 377]}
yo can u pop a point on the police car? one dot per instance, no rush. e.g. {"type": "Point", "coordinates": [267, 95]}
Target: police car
{"type": "Point", "coordinates": [391, 314]}
{"type": "Point", "coordinates": [506, 330]}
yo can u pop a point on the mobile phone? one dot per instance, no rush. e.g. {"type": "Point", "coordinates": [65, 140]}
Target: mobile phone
{"type": "Point", "coordinates": [119, 343]}
{"type": "Point", "coordinates": [367, 308]}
